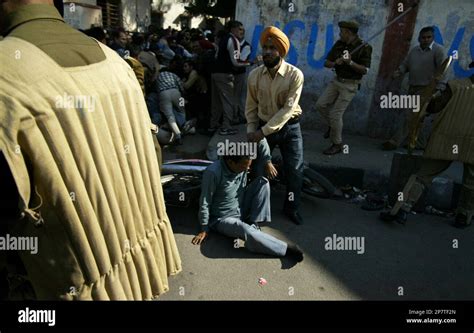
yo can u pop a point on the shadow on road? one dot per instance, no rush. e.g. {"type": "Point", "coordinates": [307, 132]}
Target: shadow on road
{"type": "Point", "coordinates": [216, 246]}
{"type": "Point", "coordinates": [427, 257]}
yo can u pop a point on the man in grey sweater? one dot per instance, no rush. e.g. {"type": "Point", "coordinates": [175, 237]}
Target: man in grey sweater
{"type": "Point", "coordinates": [421, 65]}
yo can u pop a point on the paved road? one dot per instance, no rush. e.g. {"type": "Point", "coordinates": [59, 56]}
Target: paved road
{"type": "Point", "coordinates": [420, 257]}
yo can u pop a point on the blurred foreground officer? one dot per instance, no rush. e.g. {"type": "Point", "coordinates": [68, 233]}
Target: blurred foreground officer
{"type": "Point", "coordinates": [75, 141]}
{"type": "Point", "coordinates": [451, 139]}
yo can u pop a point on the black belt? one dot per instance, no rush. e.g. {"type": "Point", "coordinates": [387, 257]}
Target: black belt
{"type": "Point", "coordinates": [343, 80]}
{"type": "Point", "coordinates": [292, 121]}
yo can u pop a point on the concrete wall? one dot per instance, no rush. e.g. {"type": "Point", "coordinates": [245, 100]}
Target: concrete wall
{"type": "Point", "coordinates": [454, 22]}
{"type": "Point", "coordinates": [312, 29]}
{"type": "Point", "coordinates": [82, 16]}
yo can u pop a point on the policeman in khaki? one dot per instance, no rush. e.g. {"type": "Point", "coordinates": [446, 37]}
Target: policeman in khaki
{"type": "Point", "coordinates": [340, 91]}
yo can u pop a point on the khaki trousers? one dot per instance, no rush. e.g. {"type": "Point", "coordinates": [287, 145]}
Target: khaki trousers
{"type": "Point", "coordinates": [409, 117]}
{"type": "Point", "coordinates": [333, 103]}
{"type": "Point", "coordinates": [429, 169]}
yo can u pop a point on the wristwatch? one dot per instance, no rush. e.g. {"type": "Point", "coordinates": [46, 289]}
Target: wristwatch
{"type": "Point", "coordinates": [351, 63]}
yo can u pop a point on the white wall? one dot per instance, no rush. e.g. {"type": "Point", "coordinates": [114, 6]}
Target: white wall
{"type": "Point", "coordinates": [454, 22]}
{"type": "Point", "coordinates": [308, 24]}
{"type": "Point", "coordinates": [81, 17]}
{"type": "Point", "coordinates": [172, 9]}
{"type": "Point", "coordinates": [130, 9]}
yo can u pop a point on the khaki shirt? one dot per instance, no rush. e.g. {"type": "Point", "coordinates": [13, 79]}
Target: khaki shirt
{"type": "Point", "coordinates": [43, 26]}
{"type": "Point", "coordinates": [362, 57]}
{"type": "Point", "coordinates": [452, 135]}
{"type": "Point", "coordinates": [139, 71]}
{"type": "Point", "coordinates": [273, 101]}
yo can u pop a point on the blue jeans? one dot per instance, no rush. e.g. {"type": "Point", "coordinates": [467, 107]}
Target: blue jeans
{"type": "Point", "coordinates": [254, 208]}
{"type": "Point", "coordinates": [153, 104]}
{"type": "Point", "coordinates": [290, 141]}
{"type": "Point", "coordinates": [180, 117]}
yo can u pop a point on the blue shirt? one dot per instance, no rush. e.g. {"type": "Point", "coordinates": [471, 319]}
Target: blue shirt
{"type": "Point", "coordinates": [222, 190]}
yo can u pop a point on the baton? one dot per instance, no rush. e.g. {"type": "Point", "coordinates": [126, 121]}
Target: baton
{"type": "Point", "coordinates": [381, 30]}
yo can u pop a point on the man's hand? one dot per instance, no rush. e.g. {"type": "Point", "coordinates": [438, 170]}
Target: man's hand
{"type": "Point", "coordinates": [255, 136]}
{"type": "Point", "coordinates": [436, 94]}
{"type": "Point", "coordinates": [347, 59]}
{"type": "Point", "coordinates": [339, 61]}
{"type": "Point", "coordinates": [199, 238]}
{"type": "Point", "coordinates": [270, 170]}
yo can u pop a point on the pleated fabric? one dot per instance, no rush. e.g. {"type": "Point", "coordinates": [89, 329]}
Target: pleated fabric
{"type": "Point", "coordinates": [452, 134]}
{"type": "Point", "coordinates": [79, 145]}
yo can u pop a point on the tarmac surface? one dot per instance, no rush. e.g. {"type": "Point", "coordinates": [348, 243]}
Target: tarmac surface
{"type": "Point", "coordinates": [426, 259]}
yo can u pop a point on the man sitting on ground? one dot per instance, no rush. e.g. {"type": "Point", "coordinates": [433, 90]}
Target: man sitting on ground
{"type": "Point", "coordinates": [233, 209]}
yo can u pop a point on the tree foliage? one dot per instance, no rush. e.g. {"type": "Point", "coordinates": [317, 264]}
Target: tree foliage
{"type": "Point", "coordinates": [219, 8]}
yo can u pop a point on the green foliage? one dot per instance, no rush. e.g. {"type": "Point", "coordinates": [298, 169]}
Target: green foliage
{"type": "Point", "coordinates": [219, 8]}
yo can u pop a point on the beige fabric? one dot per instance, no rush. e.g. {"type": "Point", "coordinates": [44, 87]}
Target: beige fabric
{"type": "Point", "coordinates": [91, 174]}
{"type": "Point", "coordinates": [452, 135]}
{"type": "Point", "coordinates": [430, 169]}
{"type": "Point", "coordinates": [139, 71]}
{"type": "Point", "coordinates": [333, 103]}
{"type": "Point", "coordinates": [275, 100]}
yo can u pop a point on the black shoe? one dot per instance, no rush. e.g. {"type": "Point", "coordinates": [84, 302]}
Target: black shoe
{"type": "Point", "coordinates": [401, 217]}
{"type": "Point", "coordinates": [389, 145]}
{"type": "Point", "coordinates": [177, 142]}
{"type": "Point", "coordinates": [460, 222]}
{"type": "Point", "coordinates": [334, 149]}
{"type": "Point", "coordinates": [326, 135]}
{"type": "Point", "coordinates": [203, 131]}
{"type": "Point", "coordinates": [294, 252]}
{"type": "Point", "coordinates": [373, 203]}
{"type": "Point", "coordinates": [211, 130]}
{"type": "Point", "coordinates": [295, 217]}
{"type": "Point", "coordinates": [227, 131]}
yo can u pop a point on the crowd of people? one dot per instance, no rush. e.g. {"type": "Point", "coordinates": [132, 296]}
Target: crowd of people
{"type": "Point", "coordinates": [86, 185]}
{"type": "Point", "coordinates": [189, 81]}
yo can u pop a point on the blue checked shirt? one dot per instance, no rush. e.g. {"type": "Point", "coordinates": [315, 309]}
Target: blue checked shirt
{"type": "Point", "coordinates": [168, 80]}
